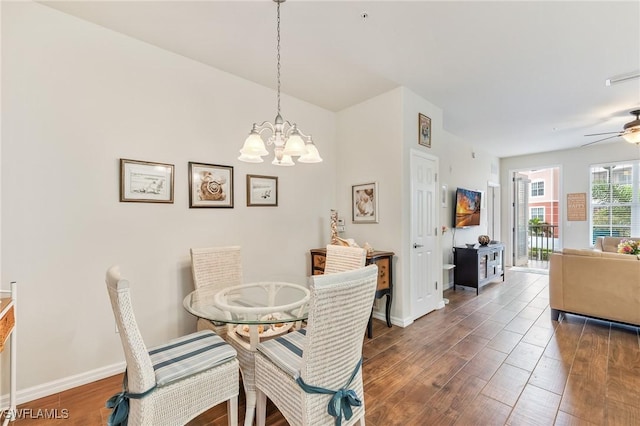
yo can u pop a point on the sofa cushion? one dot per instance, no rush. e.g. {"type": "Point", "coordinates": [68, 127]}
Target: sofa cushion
{"type": "Point", "coordinates": [582, 252]}
{"type": "Point", "coordinates": [620, 256]}
{"type": "Point", "coordinates": [610, 244]}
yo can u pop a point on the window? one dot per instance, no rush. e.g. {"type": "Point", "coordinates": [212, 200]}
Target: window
{"type": "Point", "coordinates": [536, 213]}
{"type": "Point", "coordinates": [537, 188]}
{"type": "Point", "coordinates": [614, 204]}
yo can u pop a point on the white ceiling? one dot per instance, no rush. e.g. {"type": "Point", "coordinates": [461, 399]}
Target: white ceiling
{"type": "Point", "coordinates": [512, 77]}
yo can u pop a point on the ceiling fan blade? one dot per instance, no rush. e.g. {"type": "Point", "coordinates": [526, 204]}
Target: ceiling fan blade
{"type": "Point", "coordinates": [600, 140]}
{"type": "Point", "coordinates": [605, 133]}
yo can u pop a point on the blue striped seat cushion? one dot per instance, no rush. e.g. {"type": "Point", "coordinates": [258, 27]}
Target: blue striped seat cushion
{"type": "Point", "coordinates": [189, 355]}
{"type": "Point", "coordinates": [285, 351]}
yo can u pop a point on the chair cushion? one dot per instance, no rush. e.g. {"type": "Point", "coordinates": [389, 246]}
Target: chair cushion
{"type": "Point", "coordinates": [189, 355]}
{"type": "Point", "coordinates": [285, 351]}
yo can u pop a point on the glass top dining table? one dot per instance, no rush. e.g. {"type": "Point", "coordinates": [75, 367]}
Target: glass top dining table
{"type": "Point", "coordinates": [252, 312]}
{"type": "Point", "coordinates": [260, 309]}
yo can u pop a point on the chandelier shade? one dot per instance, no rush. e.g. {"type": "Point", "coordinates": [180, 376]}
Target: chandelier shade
{"type": "Point", "coordinates": [286, 138]}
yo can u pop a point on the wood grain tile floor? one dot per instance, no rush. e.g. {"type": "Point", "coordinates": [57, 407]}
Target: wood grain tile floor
{"type": "Point", "coordinates": [492, 359]}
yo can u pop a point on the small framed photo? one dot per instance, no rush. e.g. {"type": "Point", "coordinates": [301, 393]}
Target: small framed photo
{"type": "Point", "coordinates": [262, 191]}
{"type": "Point", "coordinates": [146, 182]}
{"type": "Point", "coordinates": [364, 200]}
{"type": "Point", "coordinates": [210, 186]}
{"type": "Point", "coordinates": [424, 130]}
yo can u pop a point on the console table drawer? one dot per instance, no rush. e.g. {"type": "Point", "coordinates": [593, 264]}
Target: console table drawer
{"type": "Point", "coordinates": [383, 273]}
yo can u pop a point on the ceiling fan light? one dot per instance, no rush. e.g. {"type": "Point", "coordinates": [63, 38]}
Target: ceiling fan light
{"type": "Point", "coordinates": [632, 135]}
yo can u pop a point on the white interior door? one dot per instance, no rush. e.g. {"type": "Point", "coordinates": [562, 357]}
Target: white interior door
{"type": "Point", "coordinates": [426, 261]}
{"type": "Point", "coordinates": [493, 211]}
{"type": "Point", "coordinates": [520, 206]}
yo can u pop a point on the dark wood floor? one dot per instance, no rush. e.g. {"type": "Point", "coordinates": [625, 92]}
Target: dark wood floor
{"type": "Point", "coordinates": [492, 359]}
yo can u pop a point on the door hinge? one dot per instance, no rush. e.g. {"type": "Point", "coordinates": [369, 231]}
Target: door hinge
{"type": "Point", "coordinates": [436, 285]}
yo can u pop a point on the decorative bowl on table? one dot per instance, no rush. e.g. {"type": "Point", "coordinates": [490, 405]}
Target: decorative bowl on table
{"type": "Point", "coordinates": [484, 240]}
{"type": "Point", "coordinates": [470, 245]}
{"type": "Point", "coordinates": [266, 330]}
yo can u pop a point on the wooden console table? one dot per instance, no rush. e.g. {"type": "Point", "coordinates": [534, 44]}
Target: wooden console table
{"type": "Point", "coordinates": [478, 266]}
{"type": "Point", "coordinates": [384, 261]}
{"type": "Point", "coordinates": [8, 329]}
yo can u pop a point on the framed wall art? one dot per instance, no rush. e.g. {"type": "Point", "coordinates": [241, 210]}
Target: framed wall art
{"type": "Point", "coordinates": [262, 191]}
{"type": "Point", "coordinates": [577, 206]}
{"type": "Point", "coordinates": [210, 186]}
{"type": "Point", "coordinates": [424, 130]}
{"type": "Point", "coordinates": [146, 182]}
{"type": "Point", "coordinates": [364, 201]}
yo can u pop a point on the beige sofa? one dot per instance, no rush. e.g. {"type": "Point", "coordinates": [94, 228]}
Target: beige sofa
{"type": "Point", "coordinates": [598, 283]}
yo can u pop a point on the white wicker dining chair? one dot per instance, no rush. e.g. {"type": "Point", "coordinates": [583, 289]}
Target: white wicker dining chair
{"type": "Point", "coordinates": [342, 258]}
{"type": "Point", "coordinates": [172, 383]}
{"type": "Point", "coordinates": [324, 357]}
{"type": "Point", "coordinates": [215, 268]}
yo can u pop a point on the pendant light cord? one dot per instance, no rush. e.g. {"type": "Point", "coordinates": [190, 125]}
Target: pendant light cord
{"type": "Point", "coordinates": [278, 50]}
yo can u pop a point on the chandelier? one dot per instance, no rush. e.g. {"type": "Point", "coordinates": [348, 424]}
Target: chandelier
{"type": "Point", "coordinates": [288, 140]}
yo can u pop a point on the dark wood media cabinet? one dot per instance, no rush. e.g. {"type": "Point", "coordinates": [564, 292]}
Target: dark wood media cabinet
{"type": "Point", "coordinates": [478, 266]}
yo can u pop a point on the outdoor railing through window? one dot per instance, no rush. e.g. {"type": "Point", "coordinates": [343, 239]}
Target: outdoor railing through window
{"type": "Point", "coordinates": [541, 243]}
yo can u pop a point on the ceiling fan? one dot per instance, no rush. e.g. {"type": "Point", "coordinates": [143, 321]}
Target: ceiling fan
{"type": "Point", "coordinates": [630, 132]}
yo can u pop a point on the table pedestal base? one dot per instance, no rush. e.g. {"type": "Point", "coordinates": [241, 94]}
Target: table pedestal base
{"type": "Point", "coordinates": [246, 359]}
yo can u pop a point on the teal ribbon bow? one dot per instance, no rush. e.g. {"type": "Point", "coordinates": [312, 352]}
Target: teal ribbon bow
{"type": "Point", "coordinates": [119, 403]}
{"type": "Point", "coordinates": [341, 401]}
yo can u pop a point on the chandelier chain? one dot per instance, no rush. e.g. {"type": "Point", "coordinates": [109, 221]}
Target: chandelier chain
{"type": "Point", "coordinates": [278, 51]}
{"type": "Point", "coordinates": [288, 141]}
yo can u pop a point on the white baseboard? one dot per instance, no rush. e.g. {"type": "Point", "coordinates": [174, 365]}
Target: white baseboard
{"type": "Point", "coordinates": [50, 388]}
{"type": "Point", "coordinates": [400, 322]}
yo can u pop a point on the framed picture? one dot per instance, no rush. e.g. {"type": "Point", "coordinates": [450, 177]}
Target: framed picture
{"type": "Point", "coordinates": [262, 191]}
{"type": "Point", "coordinates": [577, 206]}
{"type": "Point", "coordinates": [210, 186]}
{"type": "Point", "coordinates": [424, 130]}
{"type": "Point", "coordinates": [364, 200]}
{"type": "Point", "coordinates": [146, 182]}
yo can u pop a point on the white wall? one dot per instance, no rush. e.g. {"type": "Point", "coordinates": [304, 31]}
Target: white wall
{"type": "Point", "coordinates": [369, 149]}
{"type": "Point", "coordinates": [574, 178]}
{"type": "Point", "coordinates": [77, 97]}
{"type": "Point", "coordinates": [375, 140]}
{"type": "Point", "coordinates": [462, 164]}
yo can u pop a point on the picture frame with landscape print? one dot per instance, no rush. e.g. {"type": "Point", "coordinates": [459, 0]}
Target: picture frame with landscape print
{"type": "Point", "coordinates": [210, 186]}
{"type": "Point", "coordinates": [364, 202]}
{"type": "Point", "coordinates": [146, 182]}
{"type": "Point", "coordinates": [262, 191]}
{"type": "Point", "coordinates": [424, 130]}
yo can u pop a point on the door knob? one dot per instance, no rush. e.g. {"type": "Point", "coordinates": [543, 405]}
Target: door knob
{"type": "Point", "coordinates": [417, 245]}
